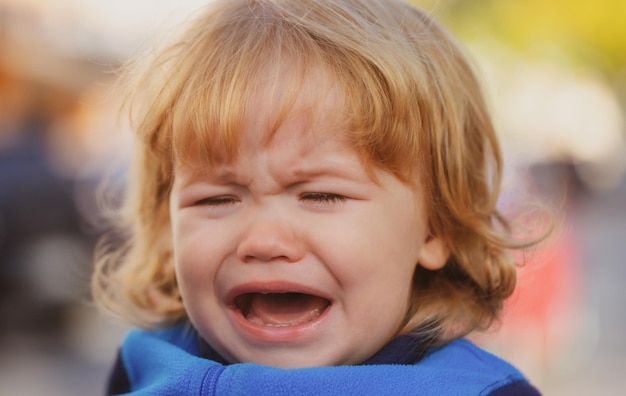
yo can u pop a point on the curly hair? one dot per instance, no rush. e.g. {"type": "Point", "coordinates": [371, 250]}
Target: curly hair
{"type": "Point", "coordinates": [415, 108]}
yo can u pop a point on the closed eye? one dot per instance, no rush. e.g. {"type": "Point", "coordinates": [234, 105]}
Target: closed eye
{"type": "Point", "coordinates": [217, 201]}
{"type": "Point", "coordinates": [323, 198]}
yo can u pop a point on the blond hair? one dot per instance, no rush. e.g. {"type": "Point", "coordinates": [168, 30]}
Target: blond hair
{"type": "Point", "coordinates": [415, 109]}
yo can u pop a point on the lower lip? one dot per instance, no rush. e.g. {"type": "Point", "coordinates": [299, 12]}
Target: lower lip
{"type": "Point", "coordinates": [283, 334]}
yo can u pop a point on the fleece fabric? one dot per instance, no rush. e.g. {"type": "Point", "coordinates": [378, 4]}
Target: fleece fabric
{"type": "Point", "coordinates": [167, 363]}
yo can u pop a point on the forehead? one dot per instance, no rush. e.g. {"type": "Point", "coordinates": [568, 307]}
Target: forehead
{"type": "Point", "coordinates": [311, 109]}
{"type": "Point", "coordinates": [301, 107]}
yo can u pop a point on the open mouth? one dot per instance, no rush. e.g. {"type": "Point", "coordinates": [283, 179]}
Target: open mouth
{"type": "Point", "coordinates": [281, 309]}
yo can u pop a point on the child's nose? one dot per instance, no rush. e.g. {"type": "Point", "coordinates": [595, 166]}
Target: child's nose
{"type": "Point", "coordinates": [267, 239]}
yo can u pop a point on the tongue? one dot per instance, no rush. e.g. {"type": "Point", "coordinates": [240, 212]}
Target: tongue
{"type": "Point", "coordinates": [284, 309]}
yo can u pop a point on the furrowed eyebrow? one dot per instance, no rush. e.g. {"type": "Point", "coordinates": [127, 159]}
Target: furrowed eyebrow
{"type": "Point", "coordinates": [227, 174]}
{"type": "Point", "coordinates": [316, 173]}
{"type": "Point", "coordinates": [218, 175]}
{"type": "Point", "coordinates": [332, 171]}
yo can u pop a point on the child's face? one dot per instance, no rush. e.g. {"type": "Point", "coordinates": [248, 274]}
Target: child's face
{"type": "Point", "coordinates": [292, 255]}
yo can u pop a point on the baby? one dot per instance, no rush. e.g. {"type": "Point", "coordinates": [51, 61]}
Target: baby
{"type": "Point", "coordinates": [314, 188]}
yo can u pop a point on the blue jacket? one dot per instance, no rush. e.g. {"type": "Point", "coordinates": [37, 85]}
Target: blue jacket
{"type": "Point", "coordinates": [168, 363]}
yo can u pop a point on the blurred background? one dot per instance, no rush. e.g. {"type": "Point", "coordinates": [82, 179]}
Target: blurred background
{"type": "Point", "coordinates": [555, 76]}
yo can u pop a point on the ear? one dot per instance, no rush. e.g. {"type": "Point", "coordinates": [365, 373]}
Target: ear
{"type": "Point", "coordinates": [434, 253]}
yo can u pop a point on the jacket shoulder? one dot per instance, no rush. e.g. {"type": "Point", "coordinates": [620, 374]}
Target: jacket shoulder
{"type": "Point", "coordinates": [465, 364]}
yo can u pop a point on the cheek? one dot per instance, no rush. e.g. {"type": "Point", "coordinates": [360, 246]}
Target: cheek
{"type": "Point", "coordinates": [368, 245]}
{"type": "Point", "coordinates": [378, 262]}
{"type": "Point", "coordinates": [377, 309]}
{"type": "Point", "coordinates": [194, 257]}
{"type": "Point", "coordinates": [190, 273]}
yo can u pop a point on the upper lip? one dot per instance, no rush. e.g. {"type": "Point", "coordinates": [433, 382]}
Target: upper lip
{"type": "Point", "coordinates": [272, 287]}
